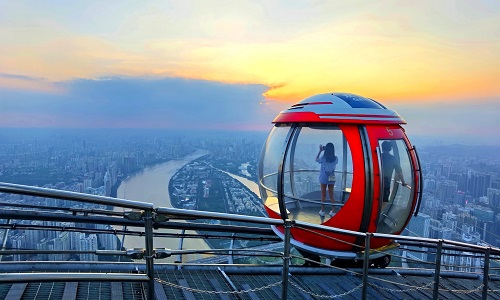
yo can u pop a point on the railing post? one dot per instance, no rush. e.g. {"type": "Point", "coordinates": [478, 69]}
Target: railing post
{"type": "Point", "coordinates": [437, 271]}
{"type": "Point", "coordinates": [181, 245]}
{"type": "Point", "coordinates": [148, 227]}
{"type": "Point", "coordinates": [286, 259]}
{"type": "Point", "coordinates": [230, 258]}
{"type": "Point", "coordinates": [122, 245]}
{"type": "Point", "coordinates": [366, 264]}
{"type": "Point", "coordinates": [486, 270]}
{"type": "Point", "coordinates": [5, 235]}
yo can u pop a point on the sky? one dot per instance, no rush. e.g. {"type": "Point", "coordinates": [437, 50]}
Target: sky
{"type": "Point", "coordinates": [233, 65]}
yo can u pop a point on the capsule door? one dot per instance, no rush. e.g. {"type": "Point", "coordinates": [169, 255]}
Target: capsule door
{"type": "Point", "coordinates": [396, 180]}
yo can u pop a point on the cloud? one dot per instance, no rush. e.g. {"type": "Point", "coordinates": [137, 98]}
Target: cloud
{"type": "Point", "coordinates": [20, 77]}
{"type": "Point", "coordinates": [140, 102]}
{"type": "Point", "coordinates": [28, 83]}
{"type": "Point", "coordinates": [180, 103]}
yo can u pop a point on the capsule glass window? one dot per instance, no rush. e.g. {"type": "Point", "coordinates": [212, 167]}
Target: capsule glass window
{"type": "Point", "coordinates": [316, 154]}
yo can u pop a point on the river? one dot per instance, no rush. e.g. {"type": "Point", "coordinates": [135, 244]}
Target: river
{"type": "Point", "coordinates": [247, 182]}
{"type": "Point", "coordinates": [151, 185]}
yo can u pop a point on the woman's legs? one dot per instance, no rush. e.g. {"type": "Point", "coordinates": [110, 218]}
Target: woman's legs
{"type": "Point", "coordinates": [323, 196]}
{"type": "Point", "coordinates": [330, 193]}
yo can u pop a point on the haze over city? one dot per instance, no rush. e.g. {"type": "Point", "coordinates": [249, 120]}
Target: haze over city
{"type": "Point", "coordinates": [233, 65]}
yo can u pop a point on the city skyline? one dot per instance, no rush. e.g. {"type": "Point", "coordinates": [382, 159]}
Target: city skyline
{"type": "Point", "coordinates": [225, 65]}
{"type": "Point", "coordinates": [460, 193]}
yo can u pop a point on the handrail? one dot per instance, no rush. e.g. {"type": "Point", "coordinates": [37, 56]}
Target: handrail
{"type": "Point", "coordinates": [67, 195]}
{"type": "Point", "coordinates": [28, 190]}
{"type": "Point", "coordinates": [155, 217]}
{"type": "Point", "coordinates": [167, 211]}
{"type": "Point", "coordinates": [261, 182]}
{"type": "Point", "coordinates": [314, 201]}
{"type": "Point", "coordinates": [65, 277]}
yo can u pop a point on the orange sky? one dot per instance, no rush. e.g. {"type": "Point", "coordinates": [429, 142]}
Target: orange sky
{"type": "Point", "coordinates": [386, 50]}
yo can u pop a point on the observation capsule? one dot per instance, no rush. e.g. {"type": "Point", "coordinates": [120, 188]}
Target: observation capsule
{"type": "Point", "coordinates": [373, 174]}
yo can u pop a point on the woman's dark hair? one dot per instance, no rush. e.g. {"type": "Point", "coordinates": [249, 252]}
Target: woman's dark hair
{"type": "Point", "coordinates": [330, 153]}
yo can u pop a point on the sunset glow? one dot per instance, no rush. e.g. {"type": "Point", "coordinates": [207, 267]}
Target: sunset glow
{"type": "Point", "coordinates": [393, 51]}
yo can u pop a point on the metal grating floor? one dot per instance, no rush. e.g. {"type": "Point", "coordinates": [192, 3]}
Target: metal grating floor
{"type": "Point", "coordinates": [212, 283]}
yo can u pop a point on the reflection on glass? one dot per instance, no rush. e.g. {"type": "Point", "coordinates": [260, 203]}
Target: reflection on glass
{"type": "Point", "coordinates": [396, 185]}
{"type": "Point", "coordinates": [270, 162]}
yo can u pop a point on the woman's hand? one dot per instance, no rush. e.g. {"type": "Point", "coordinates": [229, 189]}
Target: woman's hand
{"type": "Point", "coordinates": [319, 152]}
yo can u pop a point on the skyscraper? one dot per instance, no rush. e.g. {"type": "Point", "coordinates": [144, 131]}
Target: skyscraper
{"type": "Point", "coordinates": [107, 183]}
{"type": "Point", "coordinates": [419, 226]}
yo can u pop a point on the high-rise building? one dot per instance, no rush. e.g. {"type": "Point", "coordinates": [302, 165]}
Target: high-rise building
{"type": "Point", "coordinates": [107, 184]}
{"type": "Point", "coordinates": [113, 172]}
{"type": "Point", "coordinates": [107, 241]}
{"type": "Point", "coordinates": [446, 170]}
{"type": "Point", "coordinates": [494, 199]}
{"type": "Point", "coordinates": [430, 185]}
{"type": "Point", "coordinates": [478, 183]}
{"type": "Point", "coordinates": [495, 183]}
{"type": "Point", "coordinates": [18, 241]}
{"type": "Point", "coordinates": [496, 230]}
{"type": "Point", "coordinates": [418, 226]}
{"type": "Point", "coordinates": [79, 187]}
{"type": "Point", "coordinates": [460, 198]}
{"type": "Point", "coordinates": [98, 179]}
{"type": "Point", "coordinates": [484, 214]}
{"type": "Point", "coordinates": [87, 183]}
{"type": "Point", "coordinates": [59, 245]}
{"type": "Point", "coordinates": [87, 243]}
{"type": "Point", "coordinates": [447, 190]}
{"type": "Point", "coordinates": [33, 236]}
{"type": "Point", "coordinates": [435, 229]}
{"type": "Point", "coordinates": [129, 163]}
{"type": "Point", "coordinates": [450, 221]}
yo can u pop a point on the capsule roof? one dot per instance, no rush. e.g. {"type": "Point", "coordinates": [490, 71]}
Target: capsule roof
{"type": "Point", "coordinates": [339, 108]}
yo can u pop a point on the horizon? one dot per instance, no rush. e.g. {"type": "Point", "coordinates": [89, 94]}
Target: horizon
{"type": "Point", "coordinates": [415, 140]}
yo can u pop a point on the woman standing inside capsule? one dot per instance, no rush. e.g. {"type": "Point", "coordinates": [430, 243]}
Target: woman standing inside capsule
{"type": "Point", "coordinates": [327, 179]}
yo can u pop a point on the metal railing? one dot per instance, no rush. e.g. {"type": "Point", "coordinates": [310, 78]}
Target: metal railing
{"type": "Point", "coordinates": [146, 216]}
